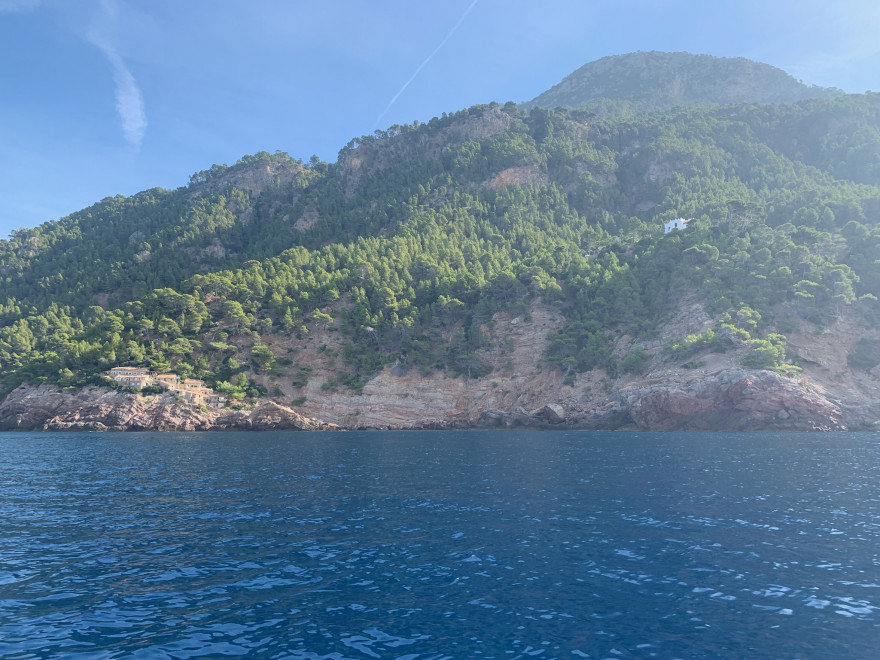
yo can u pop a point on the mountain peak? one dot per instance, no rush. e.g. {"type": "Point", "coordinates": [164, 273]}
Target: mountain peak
{"type": "Point", "coordinates": [658, 80]}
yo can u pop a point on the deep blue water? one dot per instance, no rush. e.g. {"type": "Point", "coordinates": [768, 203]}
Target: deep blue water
{"type": "Point", "coordinates": [423, 546]}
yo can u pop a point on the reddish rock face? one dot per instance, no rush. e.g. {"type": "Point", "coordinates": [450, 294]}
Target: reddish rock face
{"type": "Point", "coordinates": [520, 391]}
{"type": "Point", "coordinates": [733, 401]}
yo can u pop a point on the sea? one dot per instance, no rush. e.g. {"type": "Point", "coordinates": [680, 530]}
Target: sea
{"type": "Point", "coordinates": [439, 545]}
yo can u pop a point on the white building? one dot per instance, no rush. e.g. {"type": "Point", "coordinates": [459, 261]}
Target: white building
{"type": "Point", "coordinates": [678, 223]}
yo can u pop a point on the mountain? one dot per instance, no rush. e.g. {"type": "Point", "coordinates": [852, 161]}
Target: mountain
{"type": "Point", "coordinates": [656, 81]}
{"type": "Point", "coordinates": [491, 266]}
{"type": "Point", "coordinates": [122, 247]}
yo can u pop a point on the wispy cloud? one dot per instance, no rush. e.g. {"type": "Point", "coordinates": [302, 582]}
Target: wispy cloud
{"type": "Point", "coordinates": [17, 6]}
{"type": "Point", "coordinates": [129, 99]}
{"type": "Point", "coordinates": [425, 63]}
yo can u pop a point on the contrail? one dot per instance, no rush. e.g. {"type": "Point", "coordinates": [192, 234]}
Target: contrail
{"type": "Point", "coordinates": [129, 100]}
{"type": "Point", "coordinates": [427, 59]}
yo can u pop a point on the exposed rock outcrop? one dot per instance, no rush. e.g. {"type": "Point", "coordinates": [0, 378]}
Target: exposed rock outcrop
{"type": "Point", "coordinates": [520, 417]}
{"type": "Point", "coordinates": [100, 409]}
{"type": "Point", "coordinates": [733, 400]}
{"type": "Point", "coordinates": [520, 392]}
{"type": "Point", "coordinates": [553, 413]}
{"type": "Point", "coordinates": [270, 416]}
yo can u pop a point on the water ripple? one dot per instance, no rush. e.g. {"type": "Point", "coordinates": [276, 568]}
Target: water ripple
{"type": "Point", "coordinates": [438, 546]}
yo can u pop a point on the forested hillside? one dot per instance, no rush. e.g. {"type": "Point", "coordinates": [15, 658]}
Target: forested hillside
{"type": "Point", "coordinates": [409, 244]}
{"type": "Point", "coordinates": [650, 81]}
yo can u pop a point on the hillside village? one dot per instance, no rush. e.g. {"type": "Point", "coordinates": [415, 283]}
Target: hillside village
{"type": "Point", "coordinates": [190, 390]}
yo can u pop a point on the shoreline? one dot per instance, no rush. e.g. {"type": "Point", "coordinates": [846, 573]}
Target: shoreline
{"type": "Point", "coordinates": [732, 402]}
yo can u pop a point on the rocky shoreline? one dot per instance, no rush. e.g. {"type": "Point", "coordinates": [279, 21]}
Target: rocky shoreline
{"type": "Point", "coordinates": [730, 400]}
{"type": "Point", "coordinates": [47, 408]}
{"type": "Point", "coordinates": [734, 400]}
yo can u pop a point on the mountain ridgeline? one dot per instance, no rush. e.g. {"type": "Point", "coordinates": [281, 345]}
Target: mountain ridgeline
{"type": "Point", "coordinates": [650, 81]}
{"type": "Point", "coordinates": [273, 275]}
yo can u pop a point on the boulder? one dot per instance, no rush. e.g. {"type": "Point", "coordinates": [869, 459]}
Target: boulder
{"type": "Point", "coordinates": [733, 400]}
{"type": "Point", "coordinates": [553, 413]}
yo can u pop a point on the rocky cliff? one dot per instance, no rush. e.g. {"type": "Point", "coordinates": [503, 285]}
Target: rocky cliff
{"type": "Point", "coordinates": [520, 392]}
{"type": "Point", "coordinates": [100, 409]}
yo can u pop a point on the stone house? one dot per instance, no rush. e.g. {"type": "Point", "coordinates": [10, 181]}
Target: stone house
{"type": "Point", "coordinates": [678, 223]}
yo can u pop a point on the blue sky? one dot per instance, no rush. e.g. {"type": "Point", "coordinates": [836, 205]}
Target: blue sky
{"type": "Point", "coordinates": [99, 97]}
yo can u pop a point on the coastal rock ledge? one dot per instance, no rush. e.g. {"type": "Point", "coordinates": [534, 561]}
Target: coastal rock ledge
{"type": "Point", "coordinates": [726, 400]}
{"type": "Point", "coordinates": [732, 400]}
{"type": "Point", "coordinates": [48, 408]}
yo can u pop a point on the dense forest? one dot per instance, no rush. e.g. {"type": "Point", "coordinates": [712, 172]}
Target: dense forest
{"type": "Point", "coordinates": [416, 236]}
{"type": "Point", "coordinates": [632, 83]}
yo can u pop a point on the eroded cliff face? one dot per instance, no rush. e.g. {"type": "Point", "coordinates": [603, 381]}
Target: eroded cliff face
{"type": "Point", "coordinates": [404, 398]}
{"type": "Point", "coordinates": [100, 409]}
{"type": "Point", "coordinates": [521, 391]}
{"type": "Point", "coordinates": [733, 400]}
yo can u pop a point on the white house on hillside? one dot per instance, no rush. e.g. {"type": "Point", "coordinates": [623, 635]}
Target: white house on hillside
{"type": "Point", "coordinates": [678, 223]}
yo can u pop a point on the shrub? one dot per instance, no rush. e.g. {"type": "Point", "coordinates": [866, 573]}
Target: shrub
{"type": "Point", "coordinates": [865, 355]}
{"type": "Point", "coordinates": [691, 344]}
{"type": "Point", "coordinates": [766, 353]}
{"type": "Point", "coordinates": [302, 377]}
{"type": "Point", "coordinates": [635, 361]}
